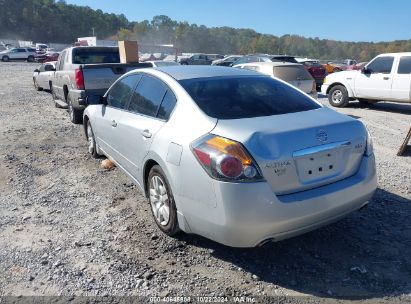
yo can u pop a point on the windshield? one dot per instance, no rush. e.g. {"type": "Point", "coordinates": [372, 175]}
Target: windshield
{"type": "Point", "coordinates": [165, 63]}
{"type": "Point", "coordinates": [95, 55]}
{"type": "Point", "coordinates": [245, 97]}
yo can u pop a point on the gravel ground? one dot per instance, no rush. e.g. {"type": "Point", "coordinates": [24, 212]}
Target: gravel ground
{"type": "Point", "coordinates": [68, 227]}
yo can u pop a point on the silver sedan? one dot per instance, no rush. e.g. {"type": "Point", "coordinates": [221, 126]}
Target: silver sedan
{"type": "Point", "coordinates": [232, 155]}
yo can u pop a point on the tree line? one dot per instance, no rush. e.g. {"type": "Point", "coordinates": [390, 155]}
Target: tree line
{"type": "Point", "coordinates": [57, 21]}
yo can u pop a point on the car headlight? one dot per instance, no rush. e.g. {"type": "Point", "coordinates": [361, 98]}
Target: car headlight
{"type": "Point", "coordinates": [369, 150]}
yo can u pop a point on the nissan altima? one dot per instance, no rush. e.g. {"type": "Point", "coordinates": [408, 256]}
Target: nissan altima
{"type": "Point", "coordinates": [231, 154]}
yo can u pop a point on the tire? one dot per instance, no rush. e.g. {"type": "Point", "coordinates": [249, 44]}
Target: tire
{"type": "Point", "coordinates": [183, 63]}
{"type": "Point", "coordinates": [162, 202]}
{"type": "Point", "coordinates": [92, 146]}
{"type": "Point", "coordinates": [5, 59]}
{"type": "Point", "coordinates": [76, 116]}
{"type": "Point", "coordinates": [338, 96]}
{"type": "Point", "coordinates": [36, 85]}
{"type": "Point", "coordinates": [54, 96]}
{"type": "Point", "coordinates": [30, 58]}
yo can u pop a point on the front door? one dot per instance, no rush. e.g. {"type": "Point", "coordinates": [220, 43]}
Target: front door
{"type": "Point", "coordinates": [376, 83]}
{"type": "Point", "coordinates": [109, 135]}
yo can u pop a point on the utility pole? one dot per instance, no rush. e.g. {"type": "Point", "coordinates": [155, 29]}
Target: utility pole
{"type": "Point", "coordinates": [93, 31]}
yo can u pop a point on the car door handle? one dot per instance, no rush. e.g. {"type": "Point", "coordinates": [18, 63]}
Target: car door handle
{"type": "Point", "coordinates": [113, 124]}
{"type": "Point", "coordinates": [386, 78]}
{"type": "Point", "coordinates": [146, 133]}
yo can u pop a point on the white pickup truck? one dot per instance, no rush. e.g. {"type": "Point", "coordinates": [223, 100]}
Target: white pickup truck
{"type": "Point", "coordinates": [386, 78]}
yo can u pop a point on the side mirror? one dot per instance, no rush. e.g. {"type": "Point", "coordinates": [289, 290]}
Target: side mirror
{"type": "Point", "coordinates": [36, 71]}
{"type": "Point", "coordinates": [365, 71]}
{"type": "Point", "coordinates": [103, 100]}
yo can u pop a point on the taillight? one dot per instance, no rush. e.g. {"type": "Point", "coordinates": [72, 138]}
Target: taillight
{"type": "Point", "coordinates": [225, 159]}
{"type": "Point", "coordinates": [79, 79]}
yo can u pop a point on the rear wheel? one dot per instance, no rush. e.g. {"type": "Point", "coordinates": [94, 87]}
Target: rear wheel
{"type": "Point", "coordinates": [36, 85]}
{"type": "Point", "coordinates": [338, 96]}
{"type": "Point", "coordinates": [162, 202]}
{"type": "Point", "coordinates": [5, 58]}
{"type": "Point", "coordinates": [76, 116]}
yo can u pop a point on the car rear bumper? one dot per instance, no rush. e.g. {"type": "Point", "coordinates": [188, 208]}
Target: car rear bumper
{"type": "Point", "coordinates": [249, 214]}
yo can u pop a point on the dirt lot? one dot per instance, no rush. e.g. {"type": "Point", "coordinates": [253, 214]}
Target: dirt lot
{"type": "Point", "coordinates": [67, 228]}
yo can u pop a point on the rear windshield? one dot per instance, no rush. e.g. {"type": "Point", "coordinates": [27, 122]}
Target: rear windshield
{"type": "Point", "coordinates": [292, 73]}
{"type": "Point", "coordinates": [245, 97]}
{"type": "Point", "coordinates": [95, 55]}
{"type": "Point", "coordinates": [284, 59]}
{"type": "Point", "coordinates": [312, 63]}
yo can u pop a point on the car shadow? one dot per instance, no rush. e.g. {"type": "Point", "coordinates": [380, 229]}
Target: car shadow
{"type": "Point", "coordinates": [366, 255]}
{"type": "Point", "coordinates": [384, 107]}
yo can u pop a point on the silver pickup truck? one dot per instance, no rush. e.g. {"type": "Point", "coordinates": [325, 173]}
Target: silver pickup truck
{"type": "Point", "coordinates": [83, 75]}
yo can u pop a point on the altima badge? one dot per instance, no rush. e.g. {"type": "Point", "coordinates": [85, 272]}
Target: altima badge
{"type": "Point", "coordinates": [322, 136]}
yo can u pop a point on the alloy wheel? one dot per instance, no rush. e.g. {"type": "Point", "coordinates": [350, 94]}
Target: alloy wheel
{"type": "Point", "coordinates": [337, 96]}
{"type": "Point", "coordinates": [159, 200]}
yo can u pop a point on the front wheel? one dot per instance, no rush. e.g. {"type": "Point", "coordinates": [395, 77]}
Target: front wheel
{"type": "Point", "coordinates": [92, 146]}
{"type": "Point", "coordinates": [162, 202]}
{"type": "Point", "coordinates": [30, 58]}
{"type": "Point", "coordinates": [338, 96]}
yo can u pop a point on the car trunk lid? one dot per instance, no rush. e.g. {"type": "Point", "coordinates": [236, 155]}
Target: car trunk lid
{"type": "Point", "coordinates": [300, 151]}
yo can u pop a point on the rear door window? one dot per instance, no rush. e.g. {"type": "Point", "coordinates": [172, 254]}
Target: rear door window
{"type": "Point", "coordinates": [147, 97]}
{"type": "Point", "coordinates": [245, 97]}
{"type": "Point", "coordinates": [405, 65]}
{"type": "Point", "coordinates": [167, 106]}
{"type": "Point", "coordinates": [95, 55]}
{"type": "Point", "coordinates": [381, 65]}
{"type": "Point", "coordinates": [292, 73]}
{"type": "Point", "coordinates": [119, 94]}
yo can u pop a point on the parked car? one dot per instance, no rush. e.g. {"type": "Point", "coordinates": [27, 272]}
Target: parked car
{"type": "Point", "coordinates": [293, 73]}
{"type": "Point", "coordinates": [83, 75]}
{"type": "Point", "coordinates": [331, 68]}
{"type": "Point", "coordinates": [45, 57]}
{"type": "Point", "coordinates": [18, 54]}
{"type": "Point", "coordinates": [264, 58]}
{"type": "Point", "coordinates": [226, 61]}
{"type": "Point", "coordinates": [357, 66]}
{"type": "Point", "coordinates": [386, 78]}
{"type": "Point", "coordinates": [213, 57]}
{"type": "Point", "coordinates": [315, 69]}
{"type": "Point", "coordinates": [196, 59]}
{"type": "Point", "coordinates": [170, 58]}
{"type": "Point", "coordinates": [161, 63]}
{"type": "Point", "coordinates": [232, 154]}
{"type": "Point", "coordinates": [42, 76]}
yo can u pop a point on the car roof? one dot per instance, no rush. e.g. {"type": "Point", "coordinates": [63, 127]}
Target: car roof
{"type": "Point", "coordinates": [272, 63]}
{"type": "Point", "coordinates": [197, 71]}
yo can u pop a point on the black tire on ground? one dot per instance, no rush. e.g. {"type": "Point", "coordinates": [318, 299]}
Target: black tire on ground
{"type": "Point", "coordinates": [76, 116]}
{"type": "Point", "coordinates": [5, 58]}
{"type": "Point", "coordinates": [30, 58]}
{"type": "Point", "coordinates": [92, 148]}
{"type": "Point", "coordinates": [171, 228]}
{"type": "Point", "coordinates": [338, 96]}
{"type": "Point", "coordinates": [183, 63]}
{"type": "Point", "coordinates": [36, 85]}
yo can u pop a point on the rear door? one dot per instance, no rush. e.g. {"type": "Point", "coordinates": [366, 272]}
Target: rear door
{"type": "Point", "coordinates": [58, 76]}
{"type": "Point", "coordinates": [401, 84]}
{"type": "Point", "coordinates": [377, 83]}
{"type": "Point", "coordinates": [110, 136]}
{"type": "Point", "coordinates": [150, 106]}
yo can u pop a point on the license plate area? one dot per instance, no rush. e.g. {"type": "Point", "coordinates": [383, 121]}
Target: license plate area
{"type": "Point", "coordinates": [319, 163]}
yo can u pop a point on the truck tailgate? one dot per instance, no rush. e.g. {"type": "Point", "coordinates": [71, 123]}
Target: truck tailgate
{"type": "Point", "coordinates": [99, 77]}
